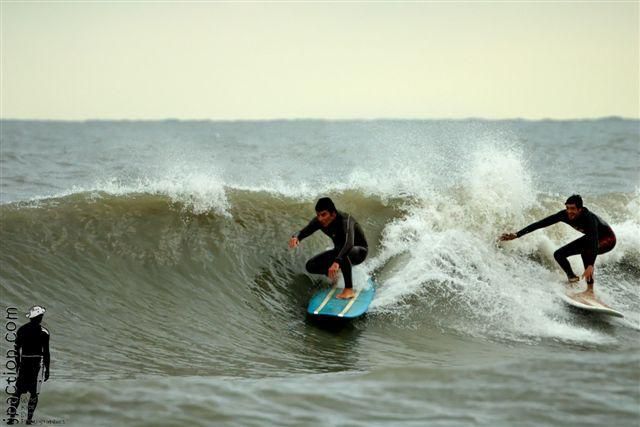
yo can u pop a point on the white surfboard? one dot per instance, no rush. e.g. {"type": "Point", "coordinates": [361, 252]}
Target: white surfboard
{"type": "Point", "coordinates": [589, 304]}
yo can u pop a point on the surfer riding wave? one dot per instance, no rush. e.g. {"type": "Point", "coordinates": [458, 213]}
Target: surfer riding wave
{"type": "Point", "coordinates": [350, 244]}
{"type": "Point", "coordinates": [598, 238]}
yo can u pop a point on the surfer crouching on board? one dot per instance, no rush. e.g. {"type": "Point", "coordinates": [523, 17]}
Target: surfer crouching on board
{"type": "Point", "coordinates": [350, 245]}
{"type": "Point", "coordinates": [598, 238]}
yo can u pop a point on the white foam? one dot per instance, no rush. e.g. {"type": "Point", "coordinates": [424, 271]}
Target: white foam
{"type": "Point", "coordinates": [627, 243]}
{"type": "Point", "coordinates": [359, 277]}
{"type": "Point", "coordinates": [446, 248]}
{"type": "Point", "coordinates": [198, 192]}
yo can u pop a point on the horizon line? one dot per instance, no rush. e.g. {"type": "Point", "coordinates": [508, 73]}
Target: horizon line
{"type": "Point", "coordinates": [318, 119]}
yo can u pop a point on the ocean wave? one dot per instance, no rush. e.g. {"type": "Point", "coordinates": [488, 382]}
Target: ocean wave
{"type": "Point", "coordinates": [129, 251]}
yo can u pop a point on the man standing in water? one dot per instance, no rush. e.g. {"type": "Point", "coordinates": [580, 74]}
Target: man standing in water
{"type": "Point", "coordinates": [350, 245]}
{"type": "Point", "coordinates": [598, 238]}
{"type": "Point", "coordinates": [32, 355]}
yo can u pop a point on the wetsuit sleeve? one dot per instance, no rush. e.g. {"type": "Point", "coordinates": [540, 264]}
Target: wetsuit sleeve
{"type": "Point", "coordinates": [348, 239]}
{"type": "Point", "coordinates": [312, 227]}
{"type": "Point", "coordinates": [46, 357]}
{"type": "Point", "coordinates": [550, 220]}
{"type": "Point", "coordinates": [18, 345]}
{"type": "Point", "coordinates": [591, 233]}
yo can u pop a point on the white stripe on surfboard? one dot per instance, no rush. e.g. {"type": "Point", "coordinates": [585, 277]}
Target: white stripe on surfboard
{"type": "Point", "coordinates": [342, 313]}
{"type": "Point", "coordinates": [326, 300]}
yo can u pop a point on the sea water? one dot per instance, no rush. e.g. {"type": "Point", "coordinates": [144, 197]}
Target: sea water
{"type": "Point", "coordinates": [159, 250]}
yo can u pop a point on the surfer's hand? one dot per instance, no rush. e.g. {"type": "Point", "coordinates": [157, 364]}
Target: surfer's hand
{"type": "Point", "coordinates": [333, 270]}
{"type": "Point", "coordinates": [293, 242]}
{"type": "Point", "coordinates": [508, 236]}
{"type": "Point", "coordinates": [588, 273]}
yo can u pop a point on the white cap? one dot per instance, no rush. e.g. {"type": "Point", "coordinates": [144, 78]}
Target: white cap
{"type": "Point", "coordinates": [35, 311]}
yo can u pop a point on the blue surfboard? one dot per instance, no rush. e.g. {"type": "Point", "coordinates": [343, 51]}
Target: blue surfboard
{"type": "Point", "coordinates": [325, 303]}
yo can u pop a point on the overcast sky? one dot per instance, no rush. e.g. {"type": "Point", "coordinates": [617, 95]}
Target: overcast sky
{"type": "Point", "coordinates": [204, 60]}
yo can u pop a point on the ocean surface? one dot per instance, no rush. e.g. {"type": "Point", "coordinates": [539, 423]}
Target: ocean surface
{"type": "Point", "coordinates": [159, 250]}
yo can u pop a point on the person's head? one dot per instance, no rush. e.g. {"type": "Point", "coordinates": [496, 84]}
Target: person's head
{"type": "Point", "coordinates": [574, 206]}
{"type": "Point", "coordinates": [36, 313]}
{"type": "Point", "coordinates": [325, 211]}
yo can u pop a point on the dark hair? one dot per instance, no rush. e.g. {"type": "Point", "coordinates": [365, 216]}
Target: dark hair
{"type": "Point", "coordinates": [325, 204]}
{"type": "Point", "coordinates": [574, 200]}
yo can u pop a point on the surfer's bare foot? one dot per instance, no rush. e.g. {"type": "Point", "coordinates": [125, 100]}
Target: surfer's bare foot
{"type": "Point", "coordinates": [347, 293]}
{"type": "Point", "coordinates": [587, 294]}
{"type": "Point", "coordinates": [574, 279]}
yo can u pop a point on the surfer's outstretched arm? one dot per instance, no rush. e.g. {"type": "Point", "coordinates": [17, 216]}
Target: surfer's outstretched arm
{"type": "Point", "coordinates": [312, 227]}
{"type": "Point", "coordinates": [545, 222]}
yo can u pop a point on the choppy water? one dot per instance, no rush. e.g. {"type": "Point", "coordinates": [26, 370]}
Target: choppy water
{"type": "Point", "coordinates": [160, 252]}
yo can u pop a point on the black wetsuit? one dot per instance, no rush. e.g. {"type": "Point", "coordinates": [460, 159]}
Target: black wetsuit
{"type": "Point", "coordinates": [598, 238]}
{"type": "Point", "coordinates": [350, 246]}
{"type": "Point", "coordinates": [32, 353]}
